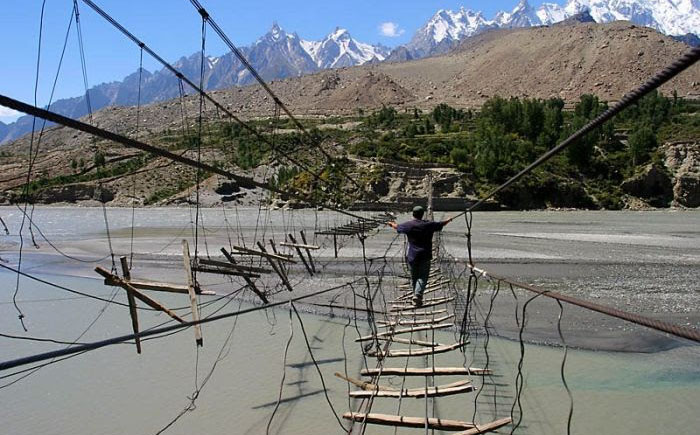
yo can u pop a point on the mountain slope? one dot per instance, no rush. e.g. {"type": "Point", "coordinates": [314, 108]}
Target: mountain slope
{"type": "Point", "coordinates": [275, 55]}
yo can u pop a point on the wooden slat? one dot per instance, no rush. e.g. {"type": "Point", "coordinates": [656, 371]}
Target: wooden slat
{"type": "Point", "coordinates": [432, 303]}
{"type": "Point", "coordinates": [140, 296]}
{"type": "Point", "coordinates": [397, 353]}
{"type": "Point", "coordinates": [301, 255]}
{"type": "Point", "coordinates": [405, 331]}
{"type": "Point", "coordinates": [162, 287]}
{"type": "Point", "coordinates": [413, 322]}
{"type": "Point", "coordinates": [414, 422]}
{"type": "Point", "coordinates": [410, 341]}
{"type": "Point", "coordinates": [133, 313]}
{"type": "Point", "coordinates": [280, 257]}
{"type": "Point", "coordinates": [275, 266]}
{"type": "Point", "coordinates": [488, 427]}
{"type": "Point", "coordinates": [429, 371]}
{"type": "Point", "coordinates": [308, 251]}
{"type": "Point", "coordinates": [193, 297]}
{"type": "Point", "coordinates": [223, 271]}
{"type": "Point", "coordinates": [236, 267]}
{"type": "Point", "coordinates": [292, 245]}
{"type": "Point", "coordinates": [247, 279]}
{"type": "Point", "coordinates": [362, 384]}
{"type": "Point", "coordinates": [458, 387]}
{"type": "Point", "coordinates": [424, 313]}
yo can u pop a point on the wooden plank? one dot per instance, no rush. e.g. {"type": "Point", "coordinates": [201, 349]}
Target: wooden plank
{"type": "Point", "coordinates": [301, 255]}
{"type": "Point", "coordinates": [140, 296]}
{"type": "Point", "coordinates": [133, 313]}
{"type": "Point", "coordinates": [247, 279]}
{"type": "Point", "coordinates": [292, 245]}
{"type": "Point", "coordinates": [222, 271]}
{"type": "Point", "coordinates": [413, 322]}
{"type": "Point", "coordinates": [193, 297]}
{"type": "Point", "coordinates": [428, 285]}
{"type": "Point", "coordinates": [364, 385]}
{"type": "Point", "coordinates": [459, 387]}
{"type": "Point", "coordinates": [308, 251]}
{"type": "Point", "coordinates": [424, 313]}
{"type": "Point", "coordinates": [488, 427]}
{"type": "Point", "coordinates": [271, 259]}
{"type": "Point", "coordinates": [425, 301]}
{"type": "Point", "coordinates": [409, 341]}
{"type": "Point", "coordinates": [281, 265]}
{"type": "Point", "coordinates": [280, 257]}
{"type": "Point", "coordinates": [405, 331]}
{"type": "Point", "coordinates": [162, 287]}
{"type": "Point", "coordinates": [431, 303]}
{"type": "Point", "coordinates": [236, 267]}
{"type": "Point", "coordinates": [429, 371]}
{"type": "Point", "coordinates": [397, 353]}
{"type": "Point", "coordinates": [414, 422]}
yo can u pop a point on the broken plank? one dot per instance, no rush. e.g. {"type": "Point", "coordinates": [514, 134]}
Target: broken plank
{"type": "Point", "coordinates": [301, 255]}
{"type": "Point", "coordinates": [275, 266]}
{"type": "Point", "coordinates": [132, 305]}
{"type": "Point", "coordinates": [162, 287]}
{"type": "Point", "coordinates": [247, 279]}
{"type": "Point", "coordinates": [140, 296]}
{"type": "Point", "coordinates": [459, 387]}
{"type": "Point", "coordinates": [429, 303]}
{"type": "Point", "coordinates": [308, 251]}
{"type": "Point", "coordinates": [429, 371]}
{"type": "Point", "coordinates": [487, 427]}
{"type": "Point", "coordinates": [362, 384]}
{"type": "Point", "coordinates": [300, 246]}
{"type": "Point", "coordinates": [414, 422]}
{"type": "Point", "coordinates": [223, 271]}
{"type": "Point", "coordinates": [409, 341]}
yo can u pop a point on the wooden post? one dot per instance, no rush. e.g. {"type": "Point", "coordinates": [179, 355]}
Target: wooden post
{"type": "Point", "coordinates": [283, 277]}
{"type": "Point", "coordinates": [430, 196]}
{"type": "Point", "coordinates": [335, 245]}
{"type": "Point", "coordinates": [301, 255]}
{"type": "Point", "coordinates": [193, 296]}
{"type": "Point", "coordinates": [132, 304]}
{"type": "Point", "coordinates": [308, 251]}
{"type": "Point", "coordinates": [247, 279]}
{"type": "Point", "coordinates": [283, 268]}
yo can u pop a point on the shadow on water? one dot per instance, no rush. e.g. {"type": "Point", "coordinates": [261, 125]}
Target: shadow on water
{"type": "Point", "coordinates": [303, 365]}
{"type": "Point", "coordinates": [288, 399]}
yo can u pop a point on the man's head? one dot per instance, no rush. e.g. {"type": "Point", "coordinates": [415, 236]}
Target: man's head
{"type": "Point", "coordinates": [418, 212]}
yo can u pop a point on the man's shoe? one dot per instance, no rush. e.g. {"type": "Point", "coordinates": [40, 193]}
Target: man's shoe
{"type": "Point", "coordinates": [417, 301]}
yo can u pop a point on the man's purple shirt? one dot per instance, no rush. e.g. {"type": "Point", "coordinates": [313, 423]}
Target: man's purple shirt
{"type": "Point", "coordinates": [420, 238]}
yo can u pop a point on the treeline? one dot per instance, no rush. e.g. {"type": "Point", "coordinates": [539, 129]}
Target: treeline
{"type": "Point", "coordinates": [507, 134]}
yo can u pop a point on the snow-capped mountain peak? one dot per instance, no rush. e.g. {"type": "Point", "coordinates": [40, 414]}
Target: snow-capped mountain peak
{"type": "Point", "coordinates": [339, 49]}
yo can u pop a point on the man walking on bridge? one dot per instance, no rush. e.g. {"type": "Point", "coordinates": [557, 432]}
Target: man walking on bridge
{"type": "Point", "coordinates": [420, 249]}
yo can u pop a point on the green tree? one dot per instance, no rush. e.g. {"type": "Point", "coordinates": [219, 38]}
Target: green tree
{"type": "Point", "coordinates": [640, 144]}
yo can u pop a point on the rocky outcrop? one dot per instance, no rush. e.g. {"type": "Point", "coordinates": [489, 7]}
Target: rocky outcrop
{"type": "Point", "coordinates": [73, 193]}
{"type": "Point", "coordinates": [653, 184]}
{"type": "Point", "coordinates": [683, 160]}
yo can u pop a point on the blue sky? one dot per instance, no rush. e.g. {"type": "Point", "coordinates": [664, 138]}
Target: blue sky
{"type": "Point", "coordinates": [172, 29]}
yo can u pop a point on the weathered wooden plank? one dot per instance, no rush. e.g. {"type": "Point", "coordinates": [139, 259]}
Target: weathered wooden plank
{"type": "Point", "coordinates": [223, 271]}
{"type": "Point", "coordinates": [140, 296]}
{"type": "Point", "coordinates": [364, 385]}
{"type": "Point", "coordinates": [308, 251]}
{"type": "Point", "coordinates": [429, 371]}
{"type": "Point", "coordinates": [271, 259]}
{"type": "Point", "coordinates": [458, 387]}
{"type": "Point", "coordinates": [280, 257]}
{"type": "Point", "coordinates": [133, 313]}
{"type": "Point", "coordinates": [301, 255]}
{"type": "Point", "coordinates": [405, 331]}
{"type": "Point", "coordinates": [428, 303]}
{"type": "Point", "coordinates": [162, 287]}
{"type": "Point", "coordinates": [414, 422]}
{"type": "Point", "coordinates": [193, 297]}
{"type": "Point", "coordinates": [423, 313]}
{"type": "Point", "coordinates": [397, 353]}
{"type": "Point", "coordinates": [413, 322]}
{"type": "Point", "coordinates": [247, 279]}
{"type": "Point", "coordinates": [236, 267]}
{"type": "Point", "coordinates": [301, 246]}
{"type": "Point", "coordinates": [487, 427]}
{"type": "Point", "coordinates": [409, 341]}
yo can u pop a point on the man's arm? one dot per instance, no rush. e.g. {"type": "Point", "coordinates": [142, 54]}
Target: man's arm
{"type": "Point", "coordinates": [393, 225]}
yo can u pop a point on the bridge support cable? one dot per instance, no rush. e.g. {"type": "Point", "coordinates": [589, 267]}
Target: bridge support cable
{"type": "Point", "coordinates": [658, 325]}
